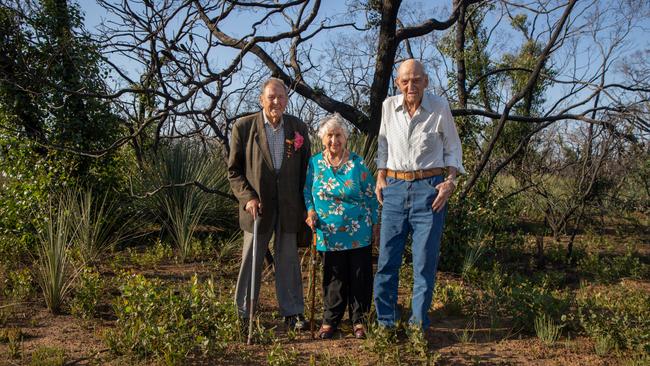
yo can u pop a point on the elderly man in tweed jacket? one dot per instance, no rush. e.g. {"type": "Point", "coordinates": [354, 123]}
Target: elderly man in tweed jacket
{"type": "Point", "coordinates": [269, 152]}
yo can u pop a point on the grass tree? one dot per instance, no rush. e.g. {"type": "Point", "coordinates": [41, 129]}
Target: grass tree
{"type": "Point", "coordinates": [175, 174]}
{"type": "Point", "coordinates": [55, 270]}
{"type": "Point", "coordinates": [99, 226]}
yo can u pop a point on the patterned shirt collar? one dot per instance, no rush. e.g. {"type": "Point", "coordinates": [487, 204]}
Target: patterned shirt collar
{"type": "Point", "coordinates": [268, 123]}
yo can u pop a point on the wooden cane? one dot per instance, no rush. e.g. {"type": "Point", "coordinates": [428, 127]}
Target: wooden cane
{"type": "Point", "coordinates": [313, 282]}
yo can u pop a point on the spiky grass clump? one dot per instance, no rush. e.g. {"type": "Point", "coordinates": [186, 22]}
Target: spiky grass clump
{"type": "Point", "coordinates": [55, 270]}
{"type": "Point", "coordinates": [178, 168]}
{"type": "Point", "coordinates": [547, 330]}
{"type": "Point", "coordinates": [99, 227]}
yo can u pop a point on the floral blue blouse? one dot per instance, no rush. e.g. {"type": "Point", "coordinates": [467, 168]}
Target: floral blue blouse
{"type": "Point", "coordinates": [344, 200]}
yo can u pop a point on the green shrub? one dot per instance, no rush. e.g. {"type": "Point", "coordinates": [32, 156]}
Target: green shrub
{"type": "Point", "coordinates": [618, 312]}
{"type": "Point", "coordinates": [378, 338]}
{"type": "Point", "coordinates": [525, 302]}
{"type": "Point", "coordinates": [154, 320]}
{"type": "Point", "coordinates": [517, 297]}
{"type": "Point", "coordinates": [610, 268]}
{"type": "Point", "coordinates": [25, 180]}
{"type": "Point", "coordinates": [14, 248]}
{"type": "Point", "coordinates": [279, 356]}
{"type": "Point", "coordinates": [549, 279]}
{"type": "Point", "coordinates": [14, 338]}
{"type": "Point", "coordinates": [418, 346]}
{"type": "Point", "coordinates": [48, 356]}
{"type": "Point", "coordinates": [87, 294]}
{"type": "Point", "coordinates": [470, 222]}
{"type": "Point", "coordinates": [152, 255]}
{"type": "Point", "coordinates": [454, 297]}
{"type": "Point", "coordinates": [18, 284]}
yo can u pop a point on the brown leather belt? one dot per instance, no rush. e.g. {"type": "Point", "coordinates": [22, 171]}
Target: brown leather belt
{"type": "Point", "coordinates": [415, 174]}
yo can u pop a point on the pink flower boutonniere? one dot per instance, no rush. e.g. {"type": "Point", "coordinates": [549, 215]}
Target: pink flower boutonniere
{"type": "Point", "coordinates": [294, 144]}
{"type": "Point", "coordinates": [298, 140]}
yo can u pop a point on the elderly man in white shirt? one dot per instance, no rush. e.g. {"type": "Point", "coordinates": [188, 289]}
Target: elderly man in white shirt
{"type": "Point", "coordinates": [418, 158]}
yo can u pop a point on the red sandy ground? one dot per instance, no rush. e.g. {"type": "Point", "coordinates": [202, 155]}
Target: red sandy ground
{"type": "Point", "coordinates": [83, 340]}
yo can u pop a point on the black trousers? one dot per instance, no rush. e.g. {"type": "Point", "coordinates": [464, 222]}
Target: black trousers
{"type": "Point", "coordinates": [347, 283]}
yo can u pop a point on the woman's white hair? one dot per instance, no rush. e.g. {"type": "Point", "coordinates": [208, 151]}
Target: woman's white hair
{"type": "Point", "coordinates": [330, 122]}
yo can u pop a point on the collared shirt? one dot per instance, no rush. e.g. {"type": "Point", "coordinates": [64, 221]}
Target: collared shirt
{"type": "Point", "coordinates": [427, 140]}
{"type": "Point", "coordinates": [275, 138]}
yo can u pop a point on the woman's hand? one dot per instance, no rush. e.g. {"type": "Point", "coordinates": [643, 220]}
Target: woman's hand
{"type": "Point", "coordinates": [312, 219]}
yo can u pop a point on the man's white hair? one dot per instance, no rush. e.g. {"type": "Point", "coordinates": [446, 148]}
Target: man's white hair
{"type": "Point", "coordinates": [273, 80]}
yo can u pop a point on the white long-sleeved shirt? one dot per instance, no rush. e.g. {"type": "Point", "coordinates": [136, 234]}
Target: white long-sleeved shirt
{"type": "Point", "coordinates": [427, 140]}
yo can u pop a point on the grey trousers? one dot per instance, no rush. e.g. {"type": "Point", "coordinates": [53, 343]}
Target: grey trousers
{"type": "Point", "coordinates": [288, 279]}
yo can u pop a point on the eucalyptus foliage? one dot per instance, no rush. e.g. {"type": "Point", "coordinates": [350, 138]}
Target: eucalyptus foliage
{"type": "Point", "coordinates": [49, 67]}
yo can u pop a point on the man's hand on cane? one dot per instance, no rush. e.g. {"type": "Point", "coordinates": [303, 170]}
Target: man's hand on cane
{"type": "Point", "coordinates": [254, 207]}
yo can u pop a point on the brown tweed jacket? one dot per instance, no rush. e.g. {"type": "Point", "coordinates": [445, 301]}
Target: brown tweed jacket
{"type": "Point", "coordinates": [251, 173]}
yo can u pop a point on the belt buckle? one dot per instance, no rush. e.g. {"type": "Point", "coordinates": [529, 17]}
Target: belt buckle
{"type": "Point", "coordinates": [409, 176]}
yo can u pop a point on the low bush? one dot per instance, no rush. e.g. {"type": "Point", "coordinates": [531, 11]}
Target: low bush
{"type": "Point", "coordinates": [454, 297]}
{"type": "Point", "coordinates": [481, 221]}
{"type": "Point", "coordinates": [48, 356]}
{"type": "Point", "coordinates": [620, 313]}
{"type": "Point", "coordinates": [519, 298]}
{"type": "Point", "coordinates": [280, 356]}
{"type": "Point", "coordinates": [14, 249]}
{"type": "Point", "coordinates": [612, 267]}
{"type": "Point", "coordinates": [525, 302]}
{"type": "Point", "coordinates": [18, 284]}
{"type": "Point", "coordinates": [152, 255]}
{"type": "Point", "coordinates": [154, 320]}
{"type": "Point", "coordinates": [13, 337]}
{"type": "Point", "coordinates": [87, 294]}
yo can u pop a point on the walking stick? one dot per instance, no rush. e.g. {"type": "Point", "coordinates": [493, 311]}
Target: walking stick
{"type": "Point", "coordinates": [313, 282]}
{"type": "Point", "coordinates": [251, 305]}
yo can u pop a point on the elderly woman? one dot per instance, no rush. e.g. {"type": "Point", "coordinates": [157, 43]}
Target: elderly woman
{"type": "Point", "coordinates": [342, 210]}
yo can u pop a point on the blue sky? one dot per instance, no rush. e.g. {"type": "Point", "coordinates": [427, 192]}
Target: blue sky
{"type": "Point", "coordinates": [505, 40]}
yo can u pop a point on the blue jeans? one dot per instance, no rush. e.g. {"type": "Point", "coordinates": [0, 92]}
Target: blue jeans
{"type": "Point", "coordinates": [406, 208]}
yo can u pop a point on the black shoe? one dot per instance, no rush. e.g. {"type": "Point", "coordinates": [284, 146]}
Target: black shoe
{"type": "Point", "coordinates": [297, 322]}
